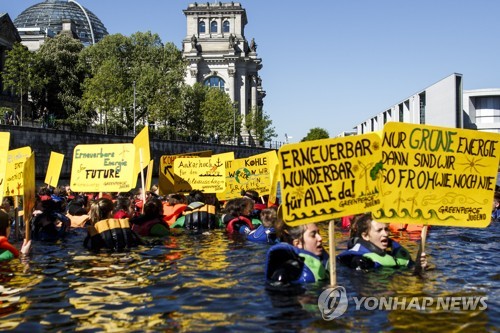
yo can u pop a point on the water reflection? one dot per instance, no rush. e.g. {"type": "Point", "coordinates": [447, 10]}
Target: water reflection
{"type": "Point", "coordinates": [210, 282]}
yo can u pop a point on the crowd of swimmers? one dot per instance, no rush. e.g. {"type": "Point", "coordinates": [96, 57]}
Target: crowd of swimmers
{"type": "Point", "coordinates": [121, 221]}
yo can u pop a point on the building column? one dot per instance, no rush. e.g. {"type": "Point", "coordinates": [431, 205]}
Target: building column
{"type": "Point", "coordinates": [232, 88]}
{"type": "Point", "coordinates": [253, 107]}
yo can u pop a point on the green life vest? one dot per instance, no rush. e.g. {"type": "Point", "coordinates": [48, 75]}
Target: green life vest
{"type": "Point", "coordinates": [315, 265]}
{"type": "Point", "coordinates": [401, 258]}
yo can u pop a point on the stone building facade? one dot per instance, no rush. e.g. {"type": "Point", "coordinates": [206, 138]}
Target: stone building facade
{"type": "Point", "coordinates": [219, 54]}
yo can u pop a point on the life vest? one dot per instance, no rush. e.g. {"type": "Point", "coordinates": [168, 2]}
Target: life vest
{"type": "Point", "coordinates": [113, 234]}
{"type": "Point", "coordinates": [142, 225]}
{"type": "Point", "coordinates": [171, 213]}
{"type": "Point", "coordinates": [235, 224]}
{"type": "Point", "coordinates": [397, 256]}
{"type": "Point", "coordinates": [288, 264]}
{"type": "Point", "coordinates": [261, 234]}
{"type": "Point", "coordinates": [6, 246]}
{"type": "Point", "coordinates": [198, 215]}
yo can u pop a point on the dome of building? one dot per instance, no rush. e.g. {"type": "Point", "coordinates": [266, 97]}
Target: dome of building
{"type": "Point", "coordinates": [50, 14]}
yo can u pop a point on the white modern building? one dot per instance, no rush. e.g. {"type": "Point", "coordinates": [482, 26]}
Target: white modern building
{"type": "Point", "coordinates": [219, 54]}
{"type": "Point", "coordinates": [482, 109]}
{"type": "Point", "coordinates": [438, 105]}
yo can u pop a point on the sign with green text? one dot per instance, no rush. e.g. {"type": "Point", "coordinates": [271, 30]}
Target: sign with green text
{"type": "Point", "coordinates": [438, 176]}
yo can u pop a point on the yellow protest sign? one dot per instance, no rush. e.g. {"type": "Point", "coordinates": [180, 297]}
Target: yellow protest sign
{"type": "Point", "coordinates": [149, 175]}
{"type": "Point", "coordinates": [103, 168]}
{"type": "Point", "coordinates": [252, 173]}
{"type": "Point", "coordinates": [54, 168]}
{"type": "Point", "coordinates": [207, 174]}
{"type": "Point", "coordinates": [29, 191]}
{"type": "Point", "coordinates": [273, 193]}
{"type": "Point", "coordinates": [142, 151]}
{"type": "Point", "coordinates": [4, 148]}
{"type": "Point", "coordinates": [330, 178]}
{"type": "Point", "coordinates": [14, 184]}
{"type": "Point", "coordinates": [167, 181]}
{"type": "Point", "coordinates": [436, 175]}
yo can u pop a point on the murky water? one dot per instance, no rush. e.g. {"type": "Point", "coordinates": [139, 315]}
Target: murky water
{"type": "Point", "coordinates": [214, 283]}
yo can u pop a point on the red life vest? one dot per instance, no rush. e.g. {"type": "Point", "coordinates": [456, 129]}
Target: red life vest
{"type": "Point", "coordinates": [234, 225]}
{"type": "Point", "coordinates": [5, 245]}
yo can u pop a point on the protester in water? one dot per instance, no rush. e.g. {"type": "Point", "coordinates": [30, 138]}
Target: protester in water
{"type": "Point", "coordinates": [124, 209]}
{"type": "Point", "coordinates": [299, 258]}
{"type": "Point", "coordinates": [258, 205]}
{"type": "Point", "coordinates": [7, 250]}
{"type": "Point", "coordinates": [198, 214]}
{"type": "Point", "coordinates": [151, 222]}
{"type": "Point", "coordinates": [107, 232]}
{"type": "Point", "coordinates": [78, 212]}
{"type": "Point", "coordinates": [173, 207]}
{"type": "Point", "coordinates": [495, 213]}
{"type": "Point", "coordinates": [49, 222]}
{"type": "Point", "coordinates": [265, 233]}
{"type": "Point", "coordinates": [370, 247]}
{"type": "Point", "coordinates": [237, 215]}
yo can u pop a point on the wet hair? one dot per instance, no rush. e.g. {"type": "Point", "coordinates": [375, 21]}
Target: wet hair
{"type": "Point", "coordinates": [176, 198]}
{"type": "Point", "coordinates": [251, 194]}
{"type": "Point", "coordinates": [101, 209]}
{"type": "Point", "coordinates": [4, 222]}
{"type": "Point", "coordinates": [122, 203]}
{"type": "Point", "coordinates": [196, 195]}
{"type": "Point", "coordinates": [361, 224]}
{"type": "Point", "coordinates": [268, 216]}
{"type": "Point", "coordinates": [153, 207]}
{"type": "Point", "coordinates": [287, 233]}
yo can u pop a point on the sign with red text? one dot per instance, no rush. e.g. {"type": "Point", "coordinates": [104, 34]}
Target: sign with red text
{"type": "Point", "coordinates": [437, 175]}
{"type": "Point", "coordinates": [330, 178]}
{"type": "Point", "coordinates": [103, 168]}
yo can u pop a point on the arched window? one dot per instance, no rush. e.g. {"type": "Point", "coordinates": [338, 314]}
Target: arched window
{"type": "Point", "coordinates": [225, 26]}
{"type": "Point", "coordinates": [201, 27]}
{"type": "Point", "coordinates": [215, 82]}
{"type": "Point", "coordinates": [213, 26]}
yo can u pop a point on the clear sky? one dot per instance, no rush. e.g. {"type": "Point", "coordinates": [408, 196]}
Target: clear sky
{"type": "Point", "coordinates": [335, 63]}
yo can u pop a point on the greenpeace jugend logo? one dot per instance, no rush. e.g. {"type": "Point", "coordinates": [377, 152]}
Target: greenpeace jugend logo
{"type": "Point", "coordinates": [333, 303]}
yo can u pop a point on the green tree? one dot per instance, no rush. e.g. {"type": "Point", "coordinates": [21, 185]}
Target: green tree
{"type": "Point", "coordinates": [18, 75]}
{"type": "Point", "coordinates": [316, 133]}
{"type": "Point", "coordinates": [259, 124]}
{"type": "Point", "coordinates": [58, 67]}
{"type": "Point", "coordinates": [191, 119]}
{"type": "Point", "coordinates": [219, 118]}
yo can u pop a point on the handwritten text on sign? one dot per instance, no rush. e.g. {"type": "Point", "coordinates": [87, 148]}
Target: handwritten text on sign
{"type": "Point", "coordinates": [103, 168]}
{"type": "Point", "coordinates": [206, 174]}
{"type": "Point", "coordinates": [329, 178]}
{"type": "Point", "coordinates": [436, 175]}
{"type": "Point", "coordinates": [14, 184]}
{"type": "Point", "coordinates": [252, 173]}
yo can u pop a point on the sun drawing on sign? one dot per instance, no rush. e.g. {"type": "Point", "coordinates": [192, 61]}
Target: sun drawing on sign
{"type": "Point", "coordinates": [472, 164]}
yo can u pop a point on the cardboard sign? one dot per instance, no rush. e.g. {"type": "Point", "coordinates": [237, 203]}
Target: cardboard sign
{"type": "Point", "coordinates": [326, 179]}
{"type": "Point", "coordinates": [29, 190]}
{"type": "Point", "coordinates": [54, 169]}
{"type": "Point", "coordinates": [202, 173]}
{"type": "Point", "coordinates": [149, 175]}
{"type": "Point", "coordinates": [167, 181]}
{"type": "Point", "coordinates": [4, 149]}
{"type": "Point", "coordinates": [437, 175]}
{"type": "Point", "coordinates": [252, 173]}
{"type": "Point", "coordinates": [141, 143]}
{"type": "Point", "coordinates": [14, 181]}
{"type": "Point", "coordinates": [103, 168]}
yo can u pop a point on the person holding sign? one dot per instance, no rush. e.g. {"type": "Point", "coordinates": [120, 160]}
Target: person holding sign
{"type": "Point", "coordinates": [371, 247]}
{"type": "Point", "coordinates": [299, 258]}
{"type": "Point", "coordinates": [107, 232]}
{"type": "Point", "coordinates": [7, 250]}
